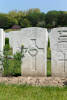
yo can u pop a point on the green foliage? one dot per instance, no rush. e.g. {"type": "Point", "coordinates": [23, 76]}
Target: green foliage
{"type": "Point", "coordinates": [33, 18]}
{"type": "Point", "coordinates": [7, 49]}
{"type": "Point", "coordinates": [62, 19]}
{"type": "Point", "coordinates": [25, 23]}
{"type": "Point", "coordinates": [6, 41]}
{"type": "Point", "coordinates": [48, 43]}
{"type": "Point", "coordinates": [48, 53]}
{"type": "Point", "coordinates": [51, 19]}
{"type": "Point", "coordinates": [41, 24]}
{"type": "Point", "coordinates": [48, 67]}
{"type": "Point", "coordinates": [6, 21]}
{"type": "Point", "coordinates": [17, 64]}
{"type": "Point", "coordinates": [12, 66]}
{"type": "Point", "coordinates": [49, 26]}
{"type": "Point", "coordinates": [48, 50]}
{"type": "Point", "coordinates": [6, 66]}
{"type": "Point", "coordinates": [35, 10]}
{"type": "Point", "coordinates": [8, 30]}
{"type": "Point", "coordinates": [48, 59]}
{"type": "Point", "coordinates": [18, 56]}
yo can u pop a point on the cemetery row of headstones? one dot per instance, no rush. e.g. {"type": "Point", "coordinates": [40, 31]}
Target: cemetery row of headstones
{"type": "Point", "coordinates": [35, 41]}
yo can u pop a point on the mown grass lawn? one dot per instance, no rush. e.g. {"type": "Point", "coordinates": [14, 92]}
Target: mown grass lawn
{"type": "Point", "coordinates": [19, 92]}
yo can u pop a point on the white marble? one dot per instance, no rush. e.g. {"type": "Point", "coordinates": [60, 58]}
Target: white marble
{"type": "Point", "coordinates": [2, 40]}
{"type": "Point", "coordinates": [58, 44]}
{"type": "Point", "coordinates": [2, 43]}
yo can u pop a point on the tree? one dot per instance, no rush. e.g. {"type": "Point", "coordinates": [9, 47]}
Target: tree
{"type": "Point", "coordinates": [6, 21]}
{"type": "Point", "coordinates": [25, 23]}
{"type": "Point", "coordinates": [31, 11]}
{"type": "Point", "coordinates": [41, 24]}
{"type": "Point", "coordinates": [51, 18]}
{"type": "Point", "coordinates": [13, 13]}
{"type": "Point", "coordinates": [62, 19]}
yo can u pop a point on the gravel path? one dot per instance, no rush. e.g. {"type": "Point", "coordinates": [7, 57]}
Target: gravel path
{"type": "Point", "coordinates": [35, 81]}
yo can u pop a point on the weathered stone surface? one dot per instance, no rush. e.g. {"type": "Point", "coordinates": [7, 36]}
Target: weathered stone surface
{"type": "Point", "coordinates": [35, 49]}
{"type": "Point", "coordinates": [58, 44]}
{"type": "Point", "coordinates": [2, 43]}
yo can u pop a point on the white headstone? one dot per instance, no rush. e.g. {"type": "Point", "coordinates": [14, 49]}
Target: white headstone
{"type": "Point", "coordinates": [58, 44]}
{"type": "Point", "coordinates": [2, 40]}
{"type": "Point", "coordinates": [2, 43]}
{"type": "Point", "coordinates": [35, 42]}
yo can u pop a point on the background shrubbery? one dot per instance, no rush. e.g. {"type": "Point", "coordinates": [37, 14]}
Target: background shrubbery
{"type": "Point", "coordinates": [33, 18]}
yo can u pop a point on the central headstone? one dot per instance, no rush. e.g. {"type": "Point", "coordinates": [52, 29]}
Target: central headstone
{"type": "Point", "coordinates": [58, 42]}
{"type": "Point", "coordinates": [35, 42]}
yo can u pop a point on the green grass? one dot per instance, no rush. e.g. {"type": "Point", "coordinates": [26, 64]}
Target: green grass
{"type": "Point", "coordinates": [19, 92]}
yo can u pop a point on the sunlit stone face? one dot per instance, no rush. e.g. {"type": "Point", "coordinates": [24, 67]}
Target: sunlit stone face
{"type": "Point", "coordinates": [58, 41]}
{"type": "Point", "coordinates": [35, 42]}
